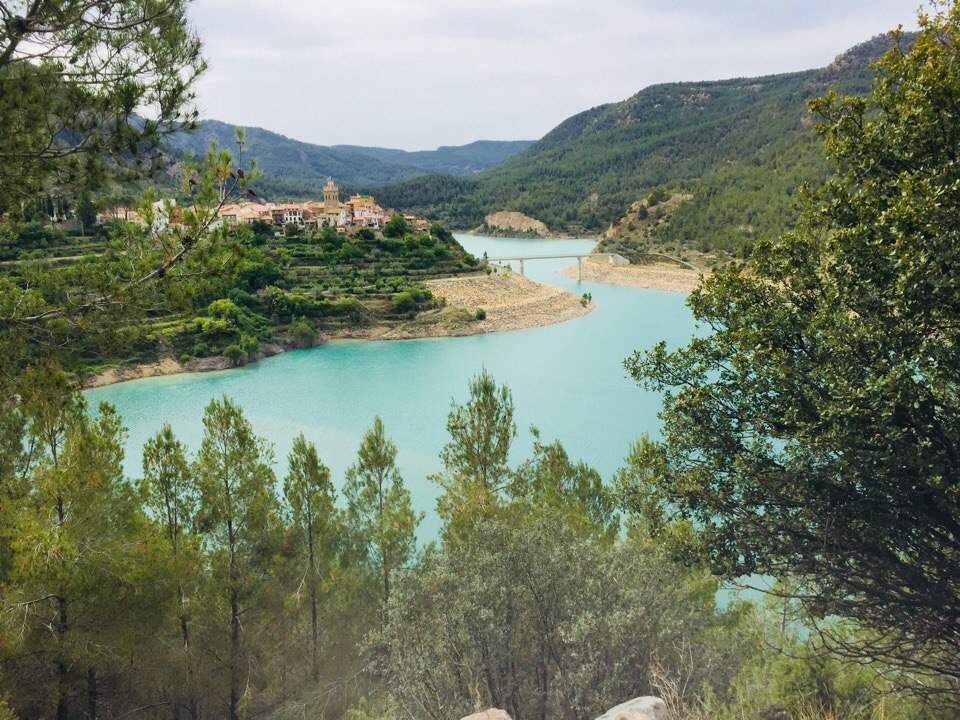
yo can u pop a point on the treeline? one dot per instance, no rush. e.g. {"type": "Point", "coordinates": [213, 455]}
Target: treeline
{"type": "Point", "coordinates": [210, 587]}
{"type": "Point", "coordinates": [740, 147]}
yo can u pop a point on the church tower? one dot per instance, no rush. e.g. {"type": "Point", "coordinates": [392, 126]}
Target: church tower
{"type": "Point", "coordinates": [331, 197]}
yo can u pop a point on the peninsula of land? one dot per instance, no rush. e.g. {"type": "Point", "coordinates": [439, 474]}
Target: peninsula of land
{"type": "Point", "coordinates": [472, 305]}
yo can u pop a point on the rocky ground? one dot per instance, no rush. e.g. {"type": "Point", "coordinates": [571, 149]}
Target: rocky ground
{"type": "Point", "coordinates": [510, 301]}
{"type": "Point", "coordinates": [511, 223]}
{"type": "Point", "coordinates": [170, 366]}
{"type": "Point", "coordinates": [655, 276]}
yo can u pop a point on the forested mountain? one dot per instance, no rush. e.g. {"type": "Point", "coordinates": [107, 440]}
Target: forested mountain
{"type": "Point", "coordinates": [740, 147]}
{"type": "Point", "coordinates": [294, 168]}
{"type": "Point", "coordinates": [461, 160]}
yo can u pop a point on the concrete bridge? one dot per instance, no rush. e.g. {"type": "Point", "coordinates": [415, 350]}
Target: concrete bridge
{"type": "Point", "coordinates": [615, 259]}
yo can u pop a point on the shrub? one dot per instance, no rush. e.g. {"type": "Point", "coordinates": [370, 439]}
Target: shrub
{"type": "Point", "coordinates": [302, 333]}
{"type": "Point", "coordinates": [539, 604]}
{"type": "Point", "coordinates": [249, 345]}
{"type": "Point", "coordinates": [404, 302]}
{"type": "Point", "coordinates": [481, 314]}
{"type": "Point", "coordinates": [234, 354]}
{"type": "Point", "coordinates": [396, 227]}
{"type": "Point", "coordinates": [224, 309]}
{"type": "Point", "coordinates": [657, 197]}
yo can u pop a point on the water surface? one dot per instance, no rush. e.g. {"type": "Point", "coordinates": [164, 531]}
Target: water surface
{"type": "Point", "coordinates": [567, 379]}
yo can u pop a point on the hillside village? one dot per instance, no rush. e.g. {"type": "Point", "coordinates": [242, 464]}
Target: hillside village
{"type": "Point", "coordinates": [359, 211]}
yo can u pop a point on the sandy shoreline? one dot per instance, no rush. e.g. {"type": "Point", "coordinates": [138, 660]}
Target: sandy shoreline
{"type": "Point", "coordinates": [656, 276]}
{"type": "Point", "coordinates": [510, 301]}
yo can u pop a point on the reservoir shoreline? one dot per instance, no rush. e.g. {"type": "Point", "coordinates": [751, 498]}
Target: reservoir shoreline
{"type": "Point", "coordinates": [508, 300]}
{"type": "Point", "coordinates": [654, 276]}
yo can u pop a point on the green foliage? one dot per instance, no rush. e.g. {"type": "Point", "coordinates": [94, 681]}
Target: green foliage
{"type": "Point", "coordinates": [542, 621]}
{"type": "Point", "coordinates": [480, 314]}
{"type": "Point", "coordinates": [238, 520]}
{"type": "Point", "coordinates": [812, 434]}
{"type": "Point", "coordinates": [318, 527]}
{"type": "Point", "coordinates": [84, 300]}
{"type": "Point", "coordinates": [396, 227]}
{"type": "Point", "coordinates": [379, 513]}
{"type": "Point", "coordinates": [225, 292]}
{"type": "Point", "coordinates": [302, 333]}
{"type": "Point", "coordinates": [551, 480]}
{"type": "Point", "coordinates": [64, 130]}
{"type": "Point", "coordinates": [80, 552]}
{"type": "Point", "coordinates": [262, 231]}
{"type": "Point", "coordinates": [86, 212]}
{"type": "Point", "coordinates": [235, 354]}
{"type": "Point", "coordinates": [741, 147]}
{"type": "Point", "coordinates": [475, 470]}
{"type": "Point", "coordinates": [404, 302]}
{"type": "Point", "coordinates": [199, 589]}
{"type": "Point", "coordinates": [172, 497]}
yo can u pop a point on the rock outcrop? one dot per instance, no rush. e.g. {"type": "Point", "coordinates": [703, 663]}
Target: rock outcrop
{"type": "Point", "coordinates": [491, 714]}
{"type": "Point", "coordinates": [647, 707]}
{"type": "Point", "coordinates": [514, 222]}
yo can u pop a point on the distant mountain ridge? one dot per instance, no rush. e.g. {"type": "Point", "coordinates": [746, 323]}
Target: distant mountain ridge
{"type": "Point", "coordinates": [462, 160]}
{"type": "Point", "coordinates": [740, 147]}
{"type": "Point", "coordinates": [296, 168]}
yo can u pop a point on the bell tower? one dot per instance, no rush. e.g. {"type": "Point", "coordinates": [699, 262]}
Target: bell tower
{"type": "Point", "coordinates": [331, 197]}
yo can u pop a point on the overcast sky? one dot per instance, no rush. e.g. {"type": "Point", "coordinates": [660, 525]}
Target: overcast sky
{"type": "Point", "coordinates": [416, 74]}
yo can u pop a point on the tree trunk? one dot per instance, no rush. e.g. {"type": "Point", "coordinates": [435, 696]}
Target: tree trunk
{"type": "Point", "coordinates": [63, 690]}
{"type": "Point", "coordinates": [234, 581]}
{"type": "Point", "coordinates": [234, 655]}
{"type": "Point", "coordinates": [192, 704]}
{"type": "Point", "coordinates": [92, 694]}
{"type": "Point", "coordinates": [63, 670]}
{"type": "Point", "coordinates": [314, 629]}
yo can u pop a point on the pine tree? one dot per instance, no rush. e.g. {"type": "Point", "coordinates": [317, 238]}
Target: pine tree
{"type": "Point", "coordinates": [84, 572]}
{"type": "Point", "coordinates": [171, 496]}
{"type": "Point", "coordinates": [238, 518]}
{"type": "Point", "coordinates": [316, 522]}
{"type": "Point", "coordinates": [475, 459]}
{"type": "Point", "coordinates": [379, 512]}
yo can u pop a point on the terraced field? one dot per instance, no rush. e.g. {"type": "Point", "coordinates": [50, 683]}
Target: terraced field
{"type": "Point", "coordinates": [244, 295]}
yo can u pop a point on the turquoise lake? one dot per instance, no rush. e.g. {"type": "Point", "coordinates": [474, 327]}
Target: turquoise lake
{"type": "Point", "coordinates": [567, 379]}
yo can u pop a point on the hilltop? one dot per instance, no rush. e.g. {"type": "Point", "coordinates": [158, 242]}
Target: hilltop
{"type": "Point", "coordinates": [739, 147]}
{"type": "Point", "coordinates": [293, 168]}
{"type": "Point", "coordinates": [460, 160]}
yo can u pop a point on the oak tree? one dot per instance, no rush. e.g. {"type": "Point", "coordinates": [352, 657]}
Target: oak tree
{"type": "Point", "coordinates": [813, 432]}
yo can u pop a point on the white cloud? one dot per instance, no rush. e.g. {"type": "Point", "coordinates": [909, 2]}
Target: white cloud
{"type": "Point", "coordinates": [421, 74]}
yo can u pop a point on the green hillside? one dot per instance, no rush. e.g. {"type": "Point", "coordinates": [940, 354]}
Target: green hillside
{"type": "Point", "coordinates": [740, 147]}
{"type": "Point", "coordinates": [463, 160]}
{"type": "Point", "coordinates": [292, 168]}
